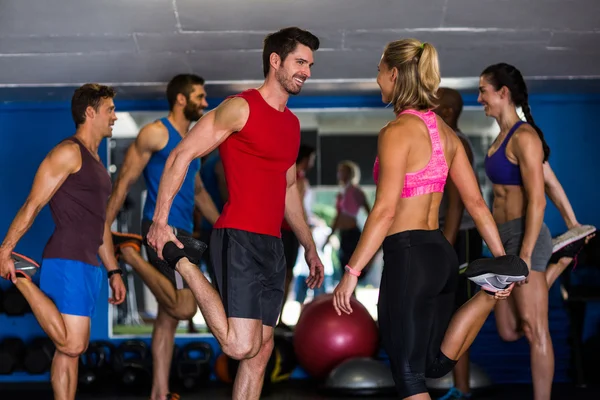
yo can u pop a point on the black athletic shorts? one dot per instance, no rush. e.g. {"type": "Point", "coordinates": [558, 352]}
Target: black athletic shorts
{"type": "Point", "coordinates": [159, 264]}
{"type": "Point", "coordinates": [416, 303]}
{"type": "Point", "coordinates": [468, 247]}
{"type": "Point", "coordinates": [250, 271]}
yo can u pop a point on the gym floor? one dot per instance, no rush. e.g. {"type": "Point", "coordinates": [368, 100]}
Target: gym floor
{"type": "Point", "coordinates": [299, 389]}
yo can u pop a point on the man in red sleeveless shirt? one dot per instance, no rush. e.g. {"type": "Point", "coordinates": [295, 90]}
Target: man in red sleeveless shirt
{"type": "Point", "coordinates": [77, 185]}
{"type": "Point", "coordinates": [258, 139]}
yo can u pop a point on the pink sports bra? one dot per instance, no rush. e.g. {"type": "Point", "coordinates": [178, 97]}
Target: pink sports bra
{"type": "Point", "coordinates": [350, 200]}
{"type": "Point", "coordinates": [432, 178]}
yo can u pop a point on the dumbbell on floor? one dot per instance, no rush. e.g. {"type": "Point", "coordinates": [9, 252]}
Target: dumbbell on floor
{"type": "Point", "coordinates": [133, 364]}
{"type": "Point", "coordinates": [38, 355]}
{"type": "Point", "coordinates": [12, 352]}
{"type": "Point", "coordinates": [13, 302]}
{"type": "Point", "coordinates": [193, 364]}
{"type": "Point", "coordinates": [95, 364]}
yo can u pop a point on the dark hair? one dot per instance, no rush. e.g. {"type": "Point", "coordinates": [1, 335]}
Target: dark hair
{"type": "Point", "coordinates": [285, 41]}
{"type": "Point", "coordinates": [182, 84]}
{"type": "Point", "coordinates": [304, 152]}
{"type": "Point", "coordinates": [89, 95]}
{"type": "Point", "coordinates": [499, 75]}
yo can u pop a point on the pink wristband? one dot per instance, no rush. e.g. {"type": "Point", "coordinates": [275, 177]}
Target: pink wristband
{"type": "Point", "coordinates": [352, 271]}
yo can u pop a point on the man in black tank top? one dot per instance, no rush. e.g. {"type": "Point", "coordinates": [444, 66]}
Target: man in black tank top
{"type": "Point", "coordinates": [74, 181]}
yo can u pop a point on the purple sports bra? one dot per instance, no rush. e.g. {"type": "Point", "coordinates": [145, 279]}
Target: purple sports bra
{"type": "Point", "coordinates": [499, 169]}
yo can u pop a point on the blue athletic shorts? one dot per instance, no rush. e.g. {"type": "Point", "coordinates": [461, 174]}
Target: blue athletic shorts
{"type": "Point", "coordinates": [73, 286]}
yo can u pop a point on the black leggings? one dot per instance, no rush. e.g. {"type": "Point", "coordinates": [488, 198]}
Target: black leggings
{"type": "Point", "coordinates": [416, 303]}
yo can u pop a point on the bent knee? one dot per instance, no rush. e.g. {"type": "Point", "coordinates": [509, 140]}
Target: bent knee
{"type": "Point", "coordinates": [508, 334]}
{"type": "Point", "coordinates": [242, 349]}
{"type": "Point", "coordinates": [536, 332]}
{"type": "Point", "coordinates": [183, 309]}
{"type": "Point", "coordinates": [73, 349]}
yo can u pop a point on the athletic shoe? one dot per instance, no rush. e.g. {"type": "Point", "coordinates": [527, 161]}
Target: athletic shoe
{"type": "Point", "coordinates": [25, 267]}
{"type": "Point", "coordinates": [495, 274]}
{"type": "Point", "coordinates": [122, 240]}
{"type": "Point", "coordinates": [571, 242]}
{"type": "Point", "coordinates": [455, 394]}
{"type": "Point", "coordinates": [192, 250]}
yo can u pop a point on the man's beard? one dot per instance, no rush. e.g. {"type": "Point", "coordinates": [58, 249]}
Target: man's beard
{"type": "Point", "coordinates": [191, 112]}
{"type": "Point", "coordinates": [287, 83]}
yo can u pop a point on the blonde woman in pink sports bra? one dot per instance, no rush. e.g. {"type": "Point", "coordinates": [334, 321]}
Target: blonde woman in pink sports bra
{"type": "Point", "coordinates": [349, 201]}
{"type": "Point", "coordinates": [417, 152]}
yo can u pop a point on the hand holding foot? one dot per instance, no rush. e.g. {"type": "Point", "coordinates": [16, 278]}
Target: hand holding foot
{"type": "Point", "coordinates": [122, 241]}
{"type": "Point", "coordinates": [504, 294]}
{"type": "Point", "coordinates": [497, 274]}
{"type": "Point", "coordinates": [15, 265]}
{"type": "Point", "coordinates": [192, 251]}
{"type": "Point", "coordinates": [7, 267]}
{"type": "Point", "coordinates": [159, 235]}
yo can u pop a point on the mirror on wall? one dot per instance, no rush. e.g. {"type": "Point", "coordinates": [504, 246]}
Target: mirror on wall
{"type": "Point", "coordinates": [338, 135]}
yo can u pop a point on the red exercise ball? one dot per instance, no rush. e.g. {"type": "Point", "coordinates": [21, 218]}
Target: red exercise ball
{"type": "Point", "coordinates": [323, 340]}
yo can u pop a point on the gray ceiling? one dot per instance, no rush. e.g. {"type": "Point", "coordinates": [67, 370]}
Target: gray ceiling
{"type": "Point", "coordinates": [139, 44]}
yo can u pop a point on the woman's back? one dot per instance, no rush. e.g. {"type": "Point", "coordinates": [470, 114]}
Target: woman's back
{"type": "Point", "coordinates": [426, 169]}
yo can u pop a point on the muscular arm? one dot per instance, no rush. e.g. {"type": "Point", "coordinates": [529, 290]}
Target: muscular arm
{"type": "Point", "coordinates": [455, 207]}
{"type": "Point", "coordinates": [528, 151]}
{"type": "Point", "coordinates": [204, 202]}
{"type": "Point", "coordinates": [557, 195]}
{"type": "Point", "coordinates": [294, 211]}
{"type": "Point", "coordinates": [464, 179]}
{"type": "Point", "coordinates": [220, 172]}
{"type": "Point", "coordinates": [63, 160]}
{"type": "Point", "coordinates": [393, 153]}
{"type": "Point", "coordinates": [152, 138]}
{"type": "Point", "coordinates": [210, 131]}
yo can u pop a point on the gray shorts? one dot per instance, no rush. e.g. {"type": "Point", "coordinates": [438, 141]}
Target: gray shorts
{"type": "Point", "coordinates": [512, 233]}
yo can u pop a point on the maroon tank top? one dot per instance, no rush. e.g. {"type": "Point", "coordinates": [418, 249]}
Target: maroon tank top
{"type": "Point", "coordinates": [79, 211]}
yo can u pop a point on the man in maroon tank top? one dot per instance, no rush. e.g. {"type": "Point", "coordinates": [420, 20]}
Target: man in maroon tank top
{"type": "Point", "coordinates": [77, 185]}
{"type": "Point", "coordinates": [258, 139]}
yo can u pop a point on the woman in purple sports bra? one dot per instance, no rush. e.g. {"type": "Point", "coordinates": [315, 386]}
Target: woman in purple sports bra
{"type": "Point", "coordinates": [514, 164]}
{"type": "Point", "coordinates": [416, 153]}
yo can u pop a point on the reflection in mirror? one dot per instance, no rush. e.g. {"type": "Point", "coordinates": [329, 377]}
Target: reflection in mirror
{"type": "Point", "coordinates": [339, 178]}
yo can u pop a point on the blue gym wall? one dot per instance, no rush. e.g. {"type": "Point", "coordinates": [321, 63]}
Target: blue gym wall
{"type": "Point", "coordinates": [29, 130]}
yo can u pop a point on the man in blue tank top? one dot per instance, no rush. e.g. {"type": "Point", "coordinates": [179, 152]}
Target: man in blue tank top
{"type": "Point", "coordinates": [75, 182]}
{"type": "Point", "coordinates": [147, 156]}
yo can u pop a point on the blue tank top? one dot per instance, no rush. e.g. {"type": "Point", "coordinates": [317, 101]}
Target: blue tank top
{"type": "Point", "coordinates": [499, 169]}
{"type": "Point", "coordinates": [211, 185]}
{"type": "Point", "coordinates": [182, 209]}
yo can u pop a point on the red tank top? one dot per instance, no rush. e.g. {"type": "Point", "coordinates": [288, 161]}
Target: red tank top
{"type": "Point", "coordinates": [79, 211]}
{"type": "Point", "coordinates": [256, 160]}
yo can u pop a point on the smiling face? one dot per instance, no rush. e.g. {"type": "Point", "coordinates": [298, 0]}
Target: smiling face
{"type": "Point", "coordinates": [104, 118]}
{"type": "Point", "coordinates": [295, 69]}
{"type": "Point", "coordinates": [493, 101]}
{"type": "Point", "coordinates": [195, 103]}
